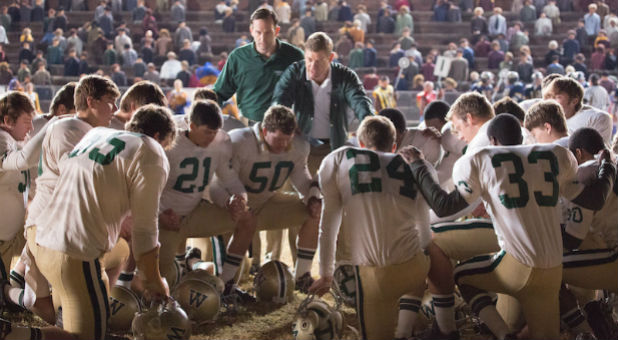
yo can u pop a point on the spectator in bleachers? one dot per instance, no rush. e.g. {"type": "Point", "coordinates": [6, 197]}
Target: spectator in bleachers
{"type": "Point", "coordinates": [610, 62]}
{"type": "Point", "coordinates": [596, 95]}
{"type": "Point", "coordinates": [220, 9]}
{"type": "Point", "coordinates": [163, 44]}
{"type": "Point", "coordinates": [384, 95]}
{"type": "Point", "coordinates": [62, 41]}
{"type": "Point", "coordinates": [55, 53]}
{"type": "Point", "coordinates": [34, 97]}
{"type": "Point", "coordinates": [110, 56]}
{"type": "Point", "coordinates": [84, 68]}
{"type": "Point", "coordinates": [454, 12]}
{"type": "Point", "coordinates": [100, 10]}
{"type": "Point", "coordinates": [187, 54]}
{"type": "Point", "coordinates": [61, 20]}
{"type": "Point", "coordinates": [370, 55]}
{"type": "Point", "coordinates": [355, 58]}
{"type": "Point", "coordinates": [555, 66]}
{"type": "Point", "coordinates": [228, 24]}
{"type": "Point", "coordinates": [466, 5]}
{"type": "Point", "coordinates": [396, 53]}
{"type": "Point", "coordinates": [592, 22]}
{"type": "Point", "coordinates": [13, 11]}
{"type": "Point", "coordinates": [486, 5]}
{"type": "Point", "coordinates": [116, 6]}
{"type": "Point", "coordinates": [296, 34]}
{"type": "Point", "coordinates": [26, 35]}
{"type": "Point", "coordinates": [528, 12]}
{"type": "Point", "coordinates": [597, 58]}
{"type": "Point", "coordinates": [4, 40]}
{"type": "Point", "coordinates": [345, 12]}
{"type": "Point", "coordinates": [5, 73]}
{"type": "Point", "coordinates": [139, 68]}
{"type": "Point", "coordinates": [177, 98]}
{"type": "Point", "coordinates": [121, 40]}
{"type": "Point", "coordinates": [150, 23]}
{"type": "Point", "coordinates": [354, 31]}
{"type": "Point", "coordinates": [519, 39]}
{"type": "Point", "coordinates": [459, 67]}
{"type": "Point", "coordinates": [440, 10]}
{"type": "Point", "coordinates": [468, 52]}
{"type": "Point", "coordinates": [570, 47]}
{"type": "Point", "coordinates": [404, 19]}
{"type": "Point", "coordinates": [451, 50]}
{"type": "Point", "coordinates": [508, 62]}
{"type": "Point", "coordinates": [185, 74]}
{"type": "Point", "coordinates": [170, 68]}
{"type": "Point", "coordinates": [25, 53]}
{"type": "Point", "coordinates": [284, 12]}
{"type": "Point", "coordinates": [41, 76]}
{"type": "Point", "coordinates": [426, 96]}
{"type": "Point", "coordinates": [308, 23]}
{"type": "Point", "coordinates": [401, 3]}
{"type": "Point", "coordinates": [129, 5]}
{"type": "Point", "coordinates": [38, 13]}
{"type": "Point", "coordinates": [177, 12]}
{"type": "Point", "coordinates": [362, 17]}
{"type": "Point", "coordinates": [98, 48]}
{"type": "Point", "coordinates": [106, 22]}
{"type": "Point", "coordinates": [405, 40]}
{"type": "Point", "coordinates": [129, 56]}
{"type": "Point", "coordinates": [222, 60]}
{"type": "Point", "coordinates": [428, 68]}
{"type": "Point", "coordinates": [207, 74]}
{"type": "Point", "coordinates": [602, 39]}
{"type": "Point", "coordinates": [73, 41]}
{"type": "Point", "coordinates": [495, 57]}
{"type": "Point", "coordinates": [162, 5]}
{"type": "Point", "coordinates": [543, 26]}
{"type": "Point", "coordinates": [612, 32]}
{"type": "Point", "coordinates": [385, 24]}
{"type": "Point", "coordinates": [483, 47]}
{"type": "Point", "coordinates": [608, 18]}
{"type": "Point", "coordinates": [23, 70]}
{"type": "Point", "coordinates": [602, 8]}
{"type": "Point", "coordinates": [139, 12]}
{"type": "Point", "coordinates": [607, 82]}
{"type": "Point", "coordinates": [553, 51]}
{"type": "Point", "coordinates": [580, 64]}
{"type": "Point", "coordinates": [152, 74]}
{"type": "Point", "coordinates": [504, 44]}
{"type": "Point", "coordinates": [552, 12]}
{"type": "Point", "coordinates": [411, 72]}
{"type": "Point", "coordinates": [205, 48]}
{"type": "Point", "coordinates": [534, 89]}
{"type": "Point", "coordinates": [320, 11]}
{"type": "Point", "coordinates": [38, 60]}
{"type": "Point", "coordinates": [118, 76]}
{"type": "Point", "coordinates": [496, 23]}
{"type": "Point", "coordinates": [370, 80]}
{"type": "Point", "coordinates": [147, 52]}
{"type": "Point", "coordinates": [71, 64]}
{"type": "Point", "coordinates": [5, 18]}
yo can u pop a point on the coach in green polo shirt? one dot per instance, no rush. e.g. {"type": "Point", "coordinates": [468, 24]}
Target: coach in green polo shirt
{"type": "Point", "coordinates": [251, 71]}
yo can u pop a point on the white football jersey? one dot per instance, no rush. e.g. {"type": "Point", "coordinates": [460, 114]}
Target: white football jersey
{"type": "Point", "coordinates": [373, 198]}
{"type": "Point", "coordinates": [60, 138]}
{"type": "Point", "coordinates": [192, 168]}
{"type": "Point", "coordinates": [603, 222]}
{"type": "Point", "coordinates": [14, 186]}
{"type": "Point", "coordinates": [593, 118]}
{"type": "Point", "coordinates": [262, 172]}
{"type": "Point", "coordinates": [108, 174]}
{"type": "Point", "coordinates": [521, 186]}
{"type": "Point", "coordinates": [453, 149]}
{"type": "Point", "coordinates": [430, 146]}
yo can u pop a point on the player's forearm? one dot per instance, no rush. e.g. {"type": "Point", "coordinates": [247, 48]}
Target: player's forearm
{"type": "Point", "coordinates": [148, 264]}
{"type": "Point", "coordinates": [593, 196]}
{"type": "Point", "coordinates": [25, 158]}
{"type": "Point", "coordinates": [442, 203]}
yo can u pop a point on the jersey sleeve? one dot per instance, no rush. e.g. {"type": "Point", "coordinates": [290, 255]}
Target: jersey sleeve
{"type": "Point", "coordinates": [146, 182]}
{"type": "Point", "coordinates": [466, 178]}
{"type": "Point", "coordinates": [332, 211]}
{"type": "Point", "coordinates": [25, 158]}
{"type": "Point", "coordinates": [227, 176]}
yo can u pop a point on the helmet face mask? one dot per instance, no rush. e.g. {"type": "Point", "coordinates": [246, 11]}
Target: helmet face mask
{"type": "Point", "coordinates": [316, 320]}
{"type": "Point", "coordinates": [166, 320]}
{"type": "Point", "coordinates": [274, 283]}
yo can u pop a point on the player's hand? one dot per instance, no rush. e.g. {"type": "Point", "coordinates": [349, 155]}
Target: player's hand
{"type": "Point", "coordinates": [432, 132]}
{"type": "Point", "coordinates": [314, 207]}
{"type": "Point", "coordinates": [156, 289]}
{"type": "Point", "coordinates": [237, 207]}
{"type": "Point", "coordinates": [169, 220]}
{"type": "Point", "coordinates": [126, 227]}
{"type": "Point", "coordinates": [411, 154]}
{"type": "Point", "coordinates": [321, 286]}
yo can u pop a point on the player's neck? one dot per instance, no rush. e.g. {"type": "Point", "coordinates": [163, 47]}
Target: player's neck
{"type": "Point", "coordinates": [123, 116]}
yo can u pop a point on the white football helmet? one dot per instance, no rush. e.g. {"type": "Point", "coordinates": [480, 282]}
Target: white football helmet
{"type": "Point", "coordinates": [199, 299]}
{"type": "Point", "coordinates": [316, 320]}
{"type": "Point", "coordinates": [207, 277]}
{"type": "Point", "coordinates": [123, 304]}
{"type": "Point", "coordinates": [345, 279]}
{"type": "Point", "coordinates": [162, 322]}
{"type": "Point", "coordinates": [274, 283]}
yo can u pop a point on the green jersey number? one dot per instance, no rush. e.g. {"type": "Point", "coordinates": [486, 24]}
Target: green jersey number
{"type": "Point", "coordinates": [96, 155]}
{"type": "Point", "coordinates": [194, 164]}
{"type": "Point", "coordinates": [516, 178]}
{"type": "Point", "coordinates": [262, 180]}
{"type": "Point", "coordinates": [23, 186]}
{"type": "Point", "coordinates": [396, 169]}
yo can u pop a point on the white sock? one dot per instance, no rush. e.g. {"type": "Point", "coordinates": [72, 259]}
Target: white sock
{"type": "Point", "coordinates": [125, 279]}
{"type": "Point", "coordinates": [408, 313]}
{"type": "Point", "coordinates": [16, 296]}
{"type": "Point", "coordinates": [489, 315]}
{"type": "Point", "coordinates": [230, 266]}
{"type": "Point", "coordinates": [444, 307]}
{"type": "Point", "coordinates": [304, 259]}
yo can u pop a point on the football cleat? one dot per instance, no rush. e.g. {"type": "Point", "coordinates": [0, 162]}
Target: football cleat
{"type": "Point", "coordinates": [316, 320]}
{"type": "Point", "coordinates": [193, 253]}
{"type": "Point", "coordinates": [274, 283]}
{"type": "Point", "coordinates": [162, 321]}
{"type": "Point", "coordinates": [123, 304]}
{"type": "Point", "coordinates": [233, 295]}
{"type": "Point", "coordinates": [199, 299]}
{"type": "Point", "coordinates": [304, 282]}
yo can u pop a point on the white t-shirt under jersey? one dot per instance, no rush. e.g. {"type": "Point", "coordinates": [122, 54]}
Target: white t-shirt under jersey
{"type": "Point", "coordinates": [108, 174]}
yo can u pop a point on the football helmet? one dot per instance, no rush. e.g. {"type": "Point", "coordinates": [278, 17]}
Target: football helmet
{"type": "Point", "coordinates": [345, 279]}
{"type": "Point", "coordinates": [199, 299]}
{"type": "Point", "coordinates": [274, 283]}
{"type": "Point", "coordinates": [316, 320]}
{"type": "Point", "coordinates": [207, 277]}
{"type": "Point", "coordinates": [162, 321]}
{"type": "Point", "coordinates": [123, 304]}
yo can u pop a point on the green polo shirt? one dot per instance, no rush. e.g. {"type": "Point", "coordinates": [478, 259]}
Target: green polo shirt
{"type": "Point", "coordinates": [253, 78]}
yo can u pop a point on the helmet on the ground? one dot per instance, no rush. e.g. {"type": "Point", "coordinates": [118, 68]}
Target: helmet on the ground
{"type": "Point", "coordinates": [316, 320]}
{"type": "Point", "coordinates": [162, 322]}
{"type": "Point", "coordinates": [207, 277]}
{"type": "Point", "coordinates": [274, 283]}
{"type": "Point", "coordinates": [123, 304]}
{"type": "Point", "coordinates": [199, 299]}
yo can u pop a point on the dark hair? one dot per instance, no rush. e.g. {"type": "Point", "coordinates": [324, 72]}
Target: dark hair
{"type": "Point", "coordinates": [505, 128]}
{"type": "Point", "coordinates": [14, 104]}
{"type": "Point", "coordinates": [396, 117]}
{"type": "Point", "coordinates": [571, 88]}
{"type": "Point", "coordinates": [142, 93]}
{"type": "Point", "coordinates": [546, 111]}
{"type": "Point", "coordinates": [264, 14]}
{"type": "Point", "coordinates": [549, 78]}
{"type": "Point", "coordinates": [436, 109]}
{"type": "Point", "coordinates": [587, 139]}
{"type": "Point", "coordinates": [206, 112]}
{"type": "Point", "coordinates": [205, 93]}
{"type": "Point", "coordinates": [64, 96]}
{"type": "Point", "coordinates": [152, 119]}
{"type": "Point", "coordinates": [594, 79]}
{"type": "Point", "coordinates": [508, 105]}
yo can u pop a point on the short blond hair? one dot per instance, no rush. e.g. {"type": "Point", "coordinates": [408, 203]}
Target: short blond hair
{"type": "Point", "coordinates": [95, 87]}
{"type": "Point", "coordinates": [142, 93]}
{"type": "Point", "coordinates": [377, 132]}
{"type": "Point", "coordinates": [319, 42]}
{"type": "Point", "coordinates": [473, 103]}
{"type": "Point", "coordinates": [546, 111]}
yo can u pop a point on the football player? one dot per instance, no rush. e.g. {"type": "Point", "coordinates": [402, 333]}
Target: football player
{"type": "Point", "coordinates": [371, 201]}
{"type": "Point", "coordinates": [106, 175]}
